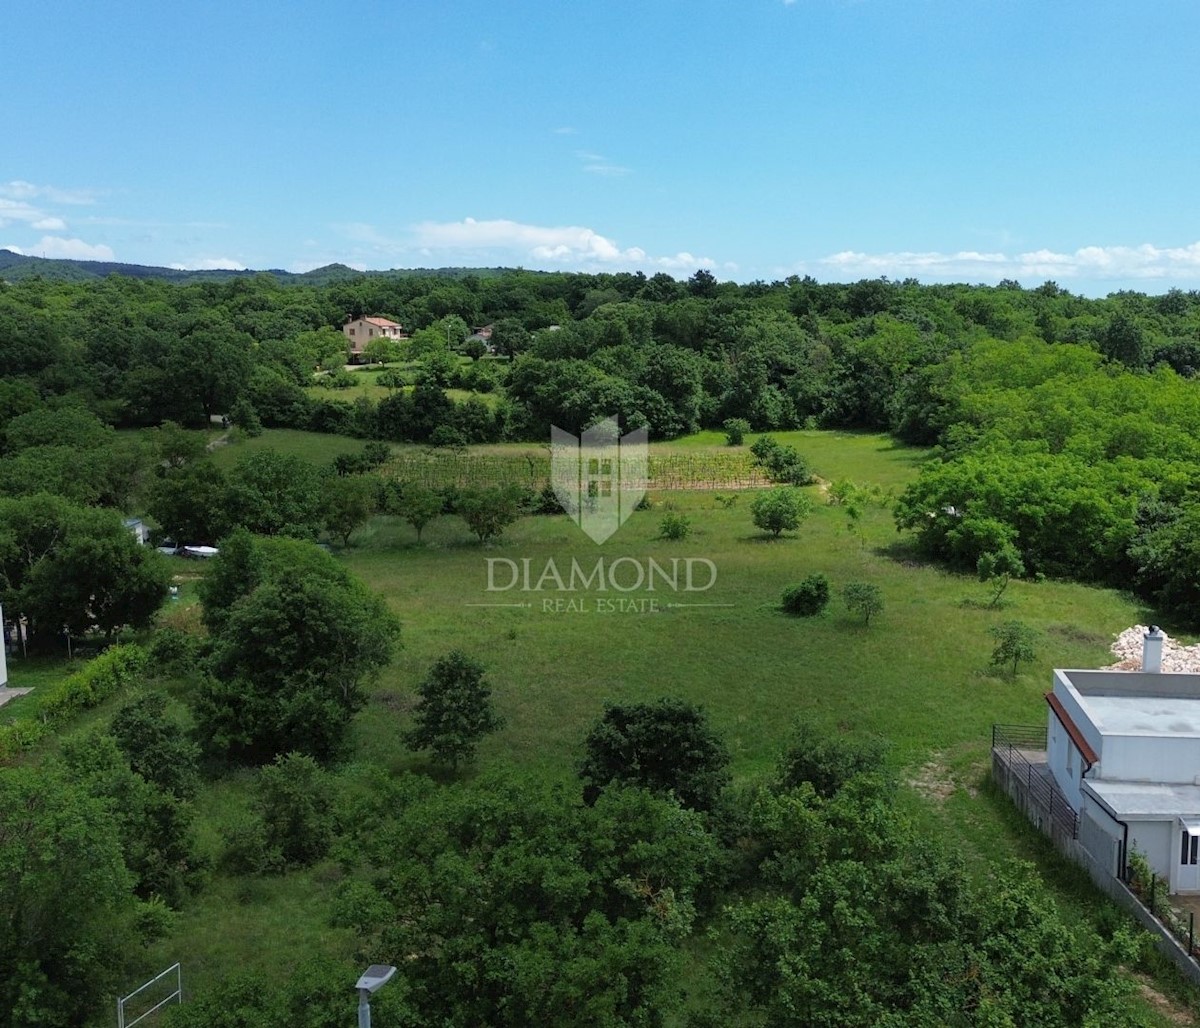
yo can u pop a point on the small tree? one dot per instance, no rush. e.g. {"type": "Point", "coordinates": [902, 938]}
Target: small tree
{"type": "Point", "coordinates": [454, 711]}
{"type": "Point", "coordinates": [1015, 642]}
{"type": "Point", "coordinates": [415, 504]}
{"type": "Point", "coordinates": [157, 746]}
{"type": "Point", "coordinates": [350, 500]}
{"type": "Point", "coordinates": [808, 598]}
{"type": "Point", "coordinates": [780, 510]}
{"type": "Point", "coordinates": [735, 431]}
{"type": "Point", "coordinates": [295, 801]}
{"type": "Point", "coordinates": [675, 527]}
{"type": "Point", "coordinates": [996, 568]}
{"type": "Point", "coordinates": [865, 599]}
{"type": "Point", "coordinates": [488, 512]}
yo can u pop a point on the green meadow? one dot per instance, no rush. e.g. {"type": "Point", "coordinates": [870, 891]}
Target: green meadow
{"type": "Point", "coordinates": [918, 675]}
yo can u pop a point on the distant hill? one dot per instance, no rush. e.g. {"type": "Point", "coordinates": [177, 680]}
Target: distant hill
{"type": "Point", "coordinates": [14, 267]}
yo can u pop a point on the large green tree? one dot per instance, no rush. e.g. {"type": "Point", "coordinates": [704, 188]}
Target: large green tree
{"type": "Point", "coordinates": [667, 746]}
{"type": "Point", "coordinates": [69, 916]}
{"type": "Point", "coordinates": [290, 655]}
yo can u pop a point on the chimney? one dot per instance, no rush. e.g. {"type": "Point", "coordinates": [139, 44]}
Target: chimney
{"type": "Point", "coordinates": [1152, 647]}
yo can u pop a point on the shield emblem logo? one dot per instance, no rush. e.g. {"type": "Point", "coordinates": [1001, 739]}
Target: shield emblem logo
{"type": "Point", "coordinates": [599, 477]}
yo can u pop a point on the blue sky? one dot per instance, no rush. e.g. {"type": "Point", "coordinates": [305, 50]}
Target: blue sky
{"type": "Point", "coordinates": [947, 140]}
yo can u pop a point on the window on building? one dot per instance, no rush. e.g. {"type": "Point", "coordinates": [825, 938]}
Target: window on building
{"type": "Point", "coordinates": [1189, 850]}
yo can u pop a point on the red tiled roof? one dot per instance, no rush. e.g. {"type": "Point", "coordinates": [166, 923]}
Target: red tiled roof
{"type": "Point", "coordinates": [382, 323]}
{"type": "Point", "coordinates": [1073, 731]}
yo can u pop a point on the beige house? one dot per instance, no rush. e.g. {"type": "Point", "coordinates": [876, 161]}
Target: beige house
{"type": "Point", "coordinates": [360, 331]}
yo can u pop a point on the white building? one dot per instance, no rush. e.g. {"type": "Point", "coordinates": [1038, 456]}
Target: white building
{"type": "Point", "coordinates": [1124, 748]}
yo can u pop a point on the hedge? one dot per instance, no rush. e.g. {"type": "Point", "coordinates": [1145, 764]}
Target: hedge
{"type": "Point", "coordinates": [114, 670]}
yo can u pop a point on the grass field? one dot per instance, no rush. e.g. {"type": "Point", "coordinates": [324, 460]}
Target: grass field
{"type": "Point", "coordinates": [918, 675]}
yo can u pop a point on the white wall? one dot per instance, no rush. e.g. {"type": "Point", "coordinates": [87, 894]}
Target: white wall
{"type": "Point", "coordinates": [1155, 838]}
{"type": "Point", "coordinates": [1146, 758]}
{"type": "Point", "coordinates": [1058, 748]}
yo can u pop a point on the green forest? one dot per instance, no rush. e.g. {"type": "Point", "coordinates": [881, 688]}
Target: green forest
{"type": "Point", "coordinates": [308, 728]}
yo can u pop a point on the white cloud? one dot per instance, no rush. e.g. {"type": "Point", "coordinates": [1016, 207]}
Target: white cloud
{"type": "Point", "coordinates": [13, 249]}
{"type": "Point", "coordinates": [70, 249]}
{"type": "Point", "coordinates": [564, 246]}
{"type": "Point", "coordinates": [1098, 263]}
{"type": "Point", "coordinates": [598, 164]}
{"type": "Point", "coordinates": [50, 224]}
{"type": "Point", "coordinates": [210, 264]}
{"type": "Point", "coordinates": [13, 211]}
{"type": "Point", "coordinates": [20, 190]}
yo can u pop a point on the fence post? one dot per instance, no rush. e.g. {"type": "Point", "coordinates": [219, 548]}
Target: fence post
{"type": "Point", "coordinates": [1191, 931]}
{"type": "Point", "coordinates": [1153, 883]}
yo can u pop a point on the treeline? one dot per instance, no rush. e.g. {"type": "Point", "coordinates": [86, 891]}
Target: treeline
{"type": "Point", "coordinates": [1065, 427]}
{"type": "Point", "coordinates": [675, 355]}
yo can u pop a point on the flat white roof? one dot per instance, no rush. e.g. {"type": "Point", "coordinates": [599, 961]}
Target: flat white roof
{"type": "Point", "coordinates": [1147, 801]}
{"type": "Point", "coordinates": [1144, 715]}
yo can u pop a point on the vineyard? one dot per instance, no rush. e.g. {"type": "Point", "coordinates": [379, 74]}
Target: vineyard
{"type": "Point", "coordinates": [532, 470]}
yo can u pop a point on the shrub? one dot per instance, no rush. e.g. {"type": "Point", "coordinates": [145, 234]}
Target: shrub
{"type": "Point", "coordinates": [735, 431]}
{"type": "Point", "coordinates": [781, 463]}
{"type": "Point", "coordinates": [826, 759]}
{"type": "Point", "coordinates": [173, 652]}
{"type": "Point", "coordinates": [675, 526]}
{"type": "Point", "coordinates": [808, 598]}
{"type": "Point", "coordinates": [780, 510]}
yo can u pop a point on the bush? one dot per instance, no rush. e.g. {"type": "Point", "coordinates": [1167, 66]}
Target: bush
{"type": "Point", "coordinates": [808, 598]}
{"type": "Point", "coordinates": [675, 527]}
{"type": "Point", "coordinates": [247, 849]}
{"type": "Point", "coordinates": [781, 463]}
{"type": "Point", "coordinates": [826, 759]}
{"type": "Point", "coordinates": [780, 510]}
{"type": "Point", "coordinates": [173, 652]}
{"type": "Point", "coordinates": [735, 431]}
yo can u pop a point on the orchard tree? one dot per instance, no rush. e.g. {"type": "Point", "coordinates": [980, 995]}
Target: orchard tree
{"type": "Point", "coordinates": [1016, 643]}
{"type": "Point", "coordinates": [349, 501]}
{"type": "Point", "coordinates": [996, 567]}
{"type": "Point", "coordinates": [454, 712]}
{"type": "Point", "coordinates": [488, 512]}
{"type": "Point", "coordinates": [667, 746]}
{"type": "Point", "coordinates": [416, 504]}
{"type": "Point", "coordinates": [864, 599]}
{"type": "Point", "coordinates": [780, 510]}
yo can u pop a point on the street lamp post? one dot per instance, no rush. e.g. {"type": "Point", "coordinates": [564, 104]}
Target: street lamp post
{"type": "Point", "coordinates": [373, 979]}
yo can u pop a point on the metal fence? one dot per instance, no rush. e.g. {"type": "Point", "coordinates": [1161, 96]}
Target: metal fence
{"type": "Point", "coordinates": [1017, 769]}
{"type": "Point", "coordinates": [164, 988]}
